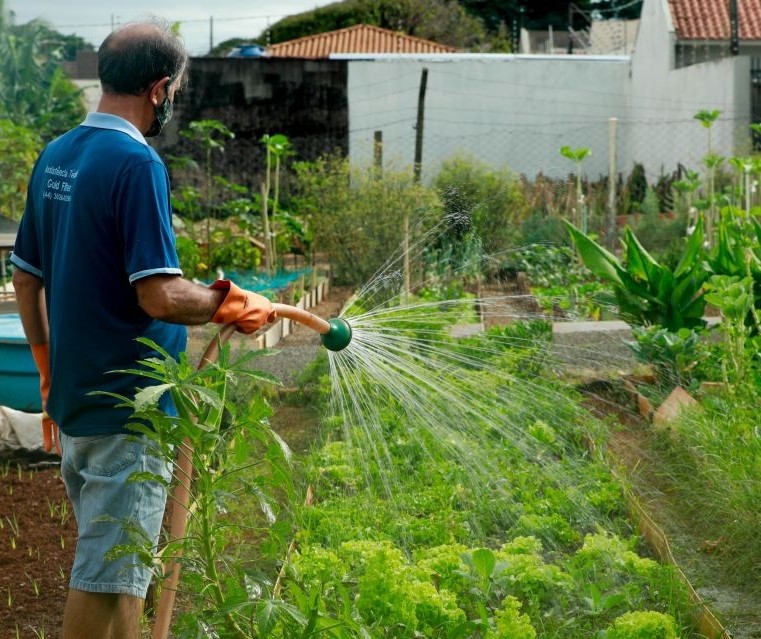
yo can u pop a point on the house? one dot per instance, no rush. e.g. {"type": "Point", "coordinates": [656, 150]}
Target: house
{"type": "Point", "coordinates": [602, 37]}
{"type": "Point", "coordinates": [357, 40]}
{"type": "Point", "coordinates": [705, 30]}
{"type": "Point", "coordinates": [683, 63]}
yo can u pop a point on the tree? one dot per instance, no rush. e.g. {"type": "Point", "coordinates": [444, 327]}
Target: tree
{"type": "Point", "coordinates": [444, 21]}
{"type": "Point", "coordinates": [65, 47]}
{"type": "Point", "coordinates": [20, 149]}
{"type": "Point", "coordinates": [34, 91]}
{"type": "Point", "coordinates": [530, 15]}
{"type": "Point", "coordinates": [617, 9]}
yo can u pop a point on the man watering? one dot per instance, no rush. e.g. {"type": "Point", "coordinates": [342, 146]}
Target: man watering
{"type": "Point", "coordinates": [95, 268]}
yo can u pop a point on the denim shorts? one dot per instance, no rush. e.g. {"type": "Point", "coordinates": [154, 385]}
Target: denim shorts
{"type": "Point", "coordinates": [95, 470]}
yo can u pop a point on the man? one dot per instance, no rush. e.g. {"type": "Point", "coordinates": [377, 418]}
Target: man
{"type": "Point", "coordinates": [96, 268]}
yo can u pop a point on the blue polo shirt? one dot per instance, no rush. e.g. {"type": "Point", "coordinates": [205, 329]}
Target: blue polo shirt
{"type": "Point", "coordinates": [97, 219]}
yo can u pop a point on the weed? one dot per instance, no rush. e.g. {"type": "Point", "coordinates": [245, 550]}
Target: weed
{"type": "Point", "coordinates": [14, 524]}
{"type": "Point", "coordinates": [35, 584]}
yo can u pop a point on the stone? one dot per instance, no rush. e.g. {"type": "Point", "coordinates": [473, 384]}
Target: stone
{"type": "Point", "coordinates": [672, 407]}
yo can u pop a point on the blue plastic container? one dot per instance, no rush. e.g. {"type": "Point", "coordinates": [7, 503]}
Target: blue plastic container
{"type": "Point", "coordinates": [19, 380]}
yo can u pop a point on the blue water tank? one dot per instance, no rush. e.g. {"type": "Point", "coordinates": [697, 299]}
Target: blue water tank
{"type": "Point", "coordinates": [247, 51]}
{"type": "Point", "coordinates": [19, 380]}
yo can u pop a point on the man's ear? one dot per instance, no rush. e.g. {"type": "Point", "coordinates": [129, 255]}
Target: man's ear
{"type": "Point", "coordinates": [158, 90]}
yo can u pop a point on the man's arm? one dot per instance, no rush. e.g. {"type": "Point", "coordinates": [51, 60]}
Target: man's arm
{"type": "Point", "coordinates": [171, 298]}
{"type": "Point", "coordinates": [30, 296]}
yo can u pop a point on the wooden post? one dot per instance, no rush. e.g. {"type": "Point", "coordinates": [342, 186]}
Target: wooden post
{"type": "Point", "coordinates": [612, 178]}
{"type": "Point", "coordinates": [378, 152]}
{"type": "Point", "coordinates": [416, 172]}
{"type": "Point", "coordinates": [417, 167]}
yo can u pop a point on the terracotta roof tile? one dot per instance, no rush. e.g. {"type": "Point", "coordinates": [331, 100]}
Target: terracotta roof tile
{"type": "Point", "coordinates": [361, 38]}
{"type": "Point", "coordinates": [709, 19]}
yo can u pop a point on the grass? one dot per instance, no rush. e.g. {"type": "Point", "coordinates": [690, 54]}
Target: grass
{"type": "Point", "coordinates": [713, 465]}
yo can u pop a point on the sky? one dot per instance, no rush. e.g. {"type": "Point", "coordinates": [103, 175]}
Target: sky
{"type": "Point", "coordinates": [200, 22]}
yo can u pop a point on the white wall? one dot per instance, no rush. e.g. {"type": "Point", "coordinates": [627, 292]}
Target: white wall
{"type": "Point", "coordinates": [513, 111]}
{"type": "Point", "coordinates": [661, 130]}
{"type": "Point", "coordinates": [517, 111]}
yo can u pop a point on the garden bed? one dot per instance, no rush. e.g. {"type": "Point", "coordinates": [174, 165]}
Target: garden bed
{"type": "Point", "coordinates": [37, 560]}
{"type": "Point", "coordinates": [37, 541]}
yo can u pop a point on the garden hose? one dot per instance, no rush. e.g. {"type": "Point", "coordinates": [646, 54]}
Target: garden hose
{"type": "Point", "coordinates": [335, 334]}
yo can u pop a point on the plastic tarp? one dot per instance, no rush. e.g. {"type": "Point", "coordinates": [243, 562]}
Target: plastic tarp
{"type": "Point", "coordinates": [20, 430]}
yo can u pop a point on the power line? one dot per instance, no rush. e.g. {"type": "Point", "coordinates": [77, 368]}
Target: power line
{"type": "Point", "coordinates": [185, 21]}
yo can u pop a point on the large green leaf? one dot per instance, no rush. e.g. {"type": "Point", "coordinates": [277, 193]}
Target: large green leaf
{"type": "Point", "coordinates": [638, 261]}
{"type": "Point", "coordinates": [687, 291]}
{"type": "Point", "coordinates": [597, 259]}
{"type": "Point", "coordinates": [691, 258]}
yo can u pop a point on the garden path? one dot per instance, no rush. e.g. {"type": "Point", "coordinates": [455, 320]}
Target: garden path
{"type": "Point", "coordinates": [645, 468]}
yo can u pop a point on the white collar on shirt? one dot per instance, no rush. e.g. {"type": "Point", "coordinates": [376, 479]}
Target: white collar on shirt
{"type": "Point", "coordinates": [113, 122]}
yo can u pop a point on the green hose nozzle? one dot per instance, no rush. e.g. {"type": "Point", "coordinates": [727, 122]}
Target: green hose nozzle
{"type": "Point", "coordinates": [339, 335]}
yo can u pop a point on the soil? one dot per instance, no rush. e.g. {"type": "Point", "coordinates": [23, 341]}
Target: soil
{"type": "Point", "coordinates": [37, 539]}
{"type": "Point", "coordinates": [37, 527]}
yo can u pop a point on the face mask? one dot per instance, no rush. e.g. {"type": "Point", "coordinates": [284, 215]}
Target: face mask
{"type": "Point", "coordinates": [163, 115]}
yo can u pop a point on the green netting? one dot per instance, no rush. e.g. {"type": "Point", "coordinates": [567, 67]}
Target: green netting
{"type": "Point", "coordinates": [260, 281]}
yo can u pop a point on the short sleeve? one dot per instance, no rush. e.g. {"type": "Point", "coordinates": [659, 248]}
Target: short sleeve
{"type": "Point", "coordinates": [144, 217]}
{"type": "Point", "coordinates": [27, 251]}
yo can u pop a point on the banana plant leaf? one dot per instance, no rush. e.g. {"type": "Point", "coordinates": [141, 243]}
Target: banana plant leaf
{"type": "Point", "coordinates": [647, 292]}
{"type": "Point", "coordinates": [601, 262]}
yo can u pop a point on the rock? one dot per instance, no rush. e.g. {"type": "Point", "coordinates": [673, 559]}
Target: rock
{"type": "Point", "coordinates": [672, 407]}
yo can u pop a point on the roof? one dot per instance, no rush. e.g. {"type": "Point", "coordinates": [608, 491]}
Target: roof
{"type": "Point", "coordinates": [361, 38]}
{"type": "Point", "coordinates": [709, 19]}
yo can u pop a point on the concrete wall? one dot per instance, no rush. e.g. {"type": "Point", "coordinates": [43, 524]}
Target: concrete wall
{"type": "Point", "coordinates": [517, 111]}
{"type": "Point", "coordinates": [513, 111]}
{"type": "Point", "coordinates": [302, 99]}
{"type": "Point", "coordinates": [661, 130]}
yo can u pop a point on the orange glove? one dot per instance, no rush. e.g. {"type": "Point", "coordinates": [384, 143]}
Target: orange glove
{"type": "Point", "coordinates": [247, 310]}
{"type": "Point", "coordinates": [41, 354]}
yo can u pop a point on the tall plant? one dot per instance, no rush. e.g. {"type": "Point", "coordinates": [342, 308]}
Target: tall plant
{"type": "Point", "coordinates": [210, 134]}
{"type": "Point", "coordinates": [737, 253]}
{"type": "Point", "coordinates": [711, 161]}
{"type": "Point", "coordinates": [235, 455]}
{"type": "Point", "coordinates": [277, 148]}
{"type": "Point", "coordinates": [577, 156]}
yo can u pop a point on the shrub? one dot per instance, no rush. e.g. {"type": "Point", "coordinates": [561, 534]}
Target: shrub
{"type": "Point", "coordinates": [491, 202]}
{"type": "Point", "coordinates": [234, 253]}
{"type": "Point", "coordinates": [190, 257]}
{"type": "Point", "coordinates": [356, 216]}
{"type": "Point", "coordinates": [391, 591]}
{"type": "Point", "coordinates": [21, 146]}
{"type": "Point", "coordinates": [510, 623]}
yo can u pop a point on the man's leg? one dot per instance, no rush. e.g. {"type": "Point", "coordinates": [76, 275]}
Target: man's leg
{"type": "Point", "coordinates": [96, 615]}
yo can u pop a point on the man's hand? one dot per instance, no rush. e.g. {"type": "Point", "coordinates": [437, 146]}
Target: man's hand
{"type": "Point", "coordinates": [249, 311]}
{"type": "Point", "coordinates": [41, 354]}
